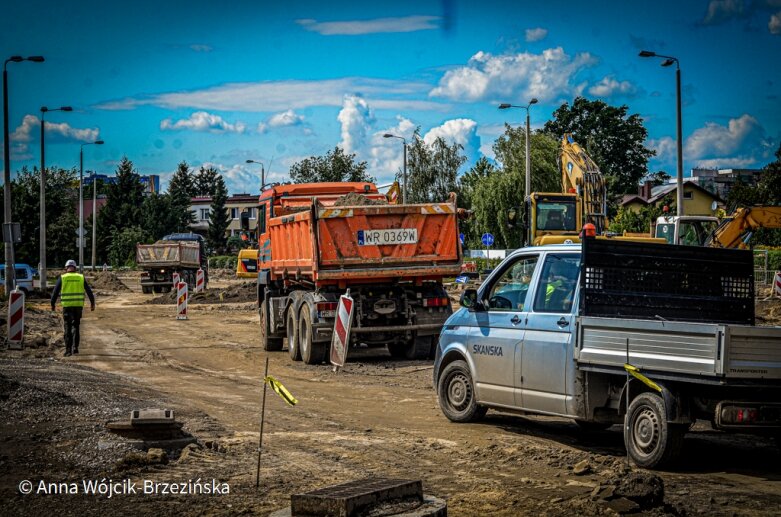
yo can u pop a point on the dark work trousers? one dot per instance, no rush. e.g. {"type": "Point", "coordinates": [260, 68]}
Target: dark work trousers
{"type": "Point", "coordinates": [72, 318]}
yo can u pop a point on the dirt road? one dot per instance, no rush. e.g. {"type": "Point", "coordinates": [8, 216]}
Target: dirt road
{"type": "Point", "coordinates": [377, 417]}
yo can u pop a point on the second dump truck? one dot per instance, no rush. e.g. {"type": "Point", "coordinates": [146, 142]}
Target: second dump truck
{"type": "Point", "coordinates": [181, 253]}
{"type": "Point", "coordinates": [317, 241]}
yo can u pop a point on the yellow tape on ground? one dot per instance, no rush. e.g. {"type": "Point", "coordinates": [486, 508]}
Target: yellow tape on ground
{"type": "Point", "coordinates": [281, 390]}
{"type": "Point", "coordinates": [635, 372]}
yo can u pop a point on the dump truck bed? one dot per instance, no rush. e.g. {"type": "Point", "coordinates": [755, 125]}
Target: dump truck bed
{"type": "Point", "coordinates": [349, 243]}
{"type": "Point", "coordinates": [168, 254]}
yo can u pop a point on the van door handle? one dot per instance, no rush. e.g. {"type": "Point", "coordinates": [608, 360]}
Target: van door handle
{"type": "Point", "coordinates": [515, 320]}
{"type": "Point", "coordinates": [562, 322]}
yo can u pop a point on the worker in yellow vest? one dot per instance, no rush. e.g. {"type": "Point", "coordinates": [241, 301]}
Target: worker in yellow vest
{"type": "Point", "coordinates": [71, 288]}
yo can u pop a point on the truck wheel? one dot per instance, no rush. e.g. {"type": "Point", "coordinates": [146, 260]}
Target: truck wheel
{"type": "Point", "coordinates": [311, 353]}
{"type": "Point", "coordinates": [649, 439]}
{"type": "Point", "coordinates": [456, 394]}
{"type": "Point", "coordinates": [146, 289]}
{"type": "Point", "coordinates": [419, 347]}
{"type": "Point", "coordinates": [292, 335]}
{"type": "Point", "coordinates": [158, 289]}
{"type": "Point", "coordinates": [269, 344]}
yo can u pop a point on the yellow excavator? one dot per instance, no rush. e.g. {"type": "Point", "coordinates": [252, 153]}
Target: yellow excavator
{"type": "Point", "coordinates": [735, 230]}
{"type": "Point", "coordinates": [558, 217]}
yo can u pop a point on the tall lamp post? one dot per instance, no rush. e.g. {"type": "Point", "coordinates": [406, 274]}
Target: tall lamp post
{"type": "Point", "coordinates": [262, 173]}
{"type": "Point", "coordinates": [504, 106]}
{"type": "Point", "coordinates": [94, 216]}
{"type": "Point", "coordinates": [10, 276]}
{"type": "Point", "coordinates": [404, 186]}
{"type": "Point", "coordinates": [81, 202]}
{"type": "Point", "coordinates": [668, 61]}
{"type": "Point", "coordinates": [42, 200]}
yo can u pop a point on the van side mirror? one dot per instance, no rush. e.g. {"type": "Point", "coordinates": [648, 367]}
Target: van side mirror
{"type": "Point", "coordinates": [470, 301]}
{"type": "Point", "coordinates": [245, 220]}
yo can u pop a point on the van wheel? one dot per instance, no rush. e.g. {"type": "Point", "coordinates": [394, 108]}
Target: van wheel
{"type": "Point", "coordinates": [311, 353]}
{"type": "Point", "coordinates": [650, 441]}
{"type": "Point", "coordinates": [269, 344]}
{"type": "Point", "coordinates": [25, 291]}
{"type": "Point", "coordinates": [456, 393]}
{"type": "Point", "coordinates": [291, 326]}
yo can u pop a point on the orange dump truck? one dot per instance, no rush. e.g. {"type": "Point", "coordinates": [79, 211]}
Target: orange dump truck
{"type": "Point", "coordinates": [317, 240]}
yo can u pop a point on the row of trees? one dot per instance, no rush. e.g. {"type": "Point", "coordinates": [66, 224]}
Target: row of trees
{"type": "Point", "coordinates": [129, 216]}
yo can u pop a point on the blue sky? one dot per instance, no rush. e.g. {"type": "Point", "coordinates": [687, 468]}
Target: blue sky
{"type": "Point", "coordinates": [218, 83]}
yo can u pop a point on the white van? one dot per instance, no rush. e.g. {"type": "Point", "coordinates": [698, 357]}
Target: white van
{"type": "Point", "coordinates": [24, 277]}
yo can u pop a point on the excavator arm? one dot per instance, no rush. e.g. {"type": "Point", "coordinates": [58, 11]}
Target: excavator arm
{"type": "Point", "coordinates": [580, 175]}
{"type": "Point", "coordinates": [735, 230]}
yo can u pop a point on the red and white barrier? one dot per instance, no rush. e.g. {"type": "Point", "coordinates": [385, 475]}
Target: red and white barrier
{"type": "Point", "coordinates": [341, 336]}
{"type": "Point", "coordinates": [777, 284]}
{"type": "Point", "coordinates": [176, 279]}
{"type": "Point", "coordinates": [16, 320]}
{"type": "Point", "coordinates": [200, 281]}
{"type": "Point", "coordinates": [181, 301]}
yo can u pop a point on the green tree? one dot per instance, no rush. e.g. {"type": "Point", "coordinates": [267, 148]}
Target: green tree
{"type": "Point", "coordinates": [510, 151]}
{"type": "Point", "coordinates": [613, 138]}
{"type": "Point", "coordinates": [61, 199]}
{"type": "Point", "coordinates": [158, 216]}
{"type": "Point", "coordinates": [181, 190]}
{"type": "Point", "coordinates": [467, 184]}
{"type": "Point", "coordinates": [218, 218]}
{"type": "Point", "coordinates": [432, 169]}
{"type": "Point", "coordinates": [334, 166]}
{"type": "Point", "coordinates": [122, 250]}
{"type": "Point", "coordinates": [205, 181]}
{"type": "Point", "coordinates": [124, 199]}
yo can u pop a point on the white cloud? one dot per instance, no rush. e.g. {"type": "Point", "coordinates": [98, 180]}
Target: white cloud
{"type": "Point", "coordinates": [715, 140]}
{"type": "Point", "coordinates": [271, 96]}
{"type": "Point", "coordinates": [774, 25]}
{"type": "Point", "coordinates": [31, 127]}
{"type": "Point", "coordinates": [720, 11]}
{"type": "Point", "coordinates": [243, 178]}
{"type": "Point", "coordinates": [525, 75]}
{"type": "Point", "coordinates": [285, 118]}
{"type": "Point", "coordinates": [740, 162]}
{"type": "Point", "coordinates": [665, 147]}
{"type": "Point", "coordinates": [460, 131]}
{"type": "Point", "coordinates": [536, 34]}
{"type": "Point", "coordinates": [374, 26]}
{"type": "Point", "coordinates": [203, 121]}
{"type": "Point", "coordinates": [609, 86]}
{"type": "Point", "coordinates": [355, 118]}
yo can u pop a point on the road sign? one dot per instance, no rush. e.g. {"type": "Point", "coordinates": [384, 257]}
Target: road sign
{"type": "Point", "coordinates": [80, 232]}
{"type": "Point", "coordinates": [462, 279]}
{"type": "Point", "coordinates": [461, 237]}
{"type": "Point", "coordinates": [487, 239]}
{"type": "Point", "coordinates": [81, 243]}
{"type": "Point", "coordinates": [341, 337]}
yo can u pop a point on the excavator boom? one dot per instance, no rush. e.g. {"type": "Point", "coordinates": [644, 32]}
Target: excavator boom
{"type": "Point", "coordinates": [735, 230]}
{"type": "Point", "coordinates": [580, 175]}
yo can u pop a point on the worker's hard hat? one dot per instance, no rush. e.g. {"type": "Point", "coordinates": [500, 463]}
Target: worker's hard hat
{"type": "Point", "coordinates": [70, 263]}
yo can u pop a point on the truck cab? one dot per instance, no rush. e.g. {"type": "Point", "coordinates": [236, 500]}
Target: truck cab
{"type": "Point", "coordinates": [688, 230]}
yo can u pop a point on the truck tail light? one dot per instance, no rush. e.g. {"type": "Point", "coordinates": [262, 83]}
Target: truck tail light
{"type": "Point", "coordinates": [436, 302]}
{"type": "Point", "coordinates": [326, 309]}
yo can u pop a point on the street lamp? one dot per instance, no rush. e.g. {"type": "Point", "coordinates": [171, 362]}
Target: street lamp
{"type": "Point", "coordinates": [81, 202]}
{"type": "Point", "coordinates": [262, 173]}
{"type": "Point", "coordinates": [668, 61]}
{"type": "Point", "coordinates": [404, 186]}
{"type": "Point", "coordinates": [42, 200]}
{"type": "Point", "coordinates": [528, 184]}
{"type": "Point", "coordinates": [10, 273]}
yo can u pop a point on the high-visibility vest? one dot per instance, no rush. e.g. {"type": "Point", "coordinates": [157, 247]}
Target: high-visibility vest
{"type": "Point", "coordinates": [72, 293]}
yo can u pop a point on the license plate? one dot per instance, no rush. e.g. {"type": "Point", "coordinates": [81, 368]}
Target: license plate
{"type": "Point", "coordinates": [384, 237]}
